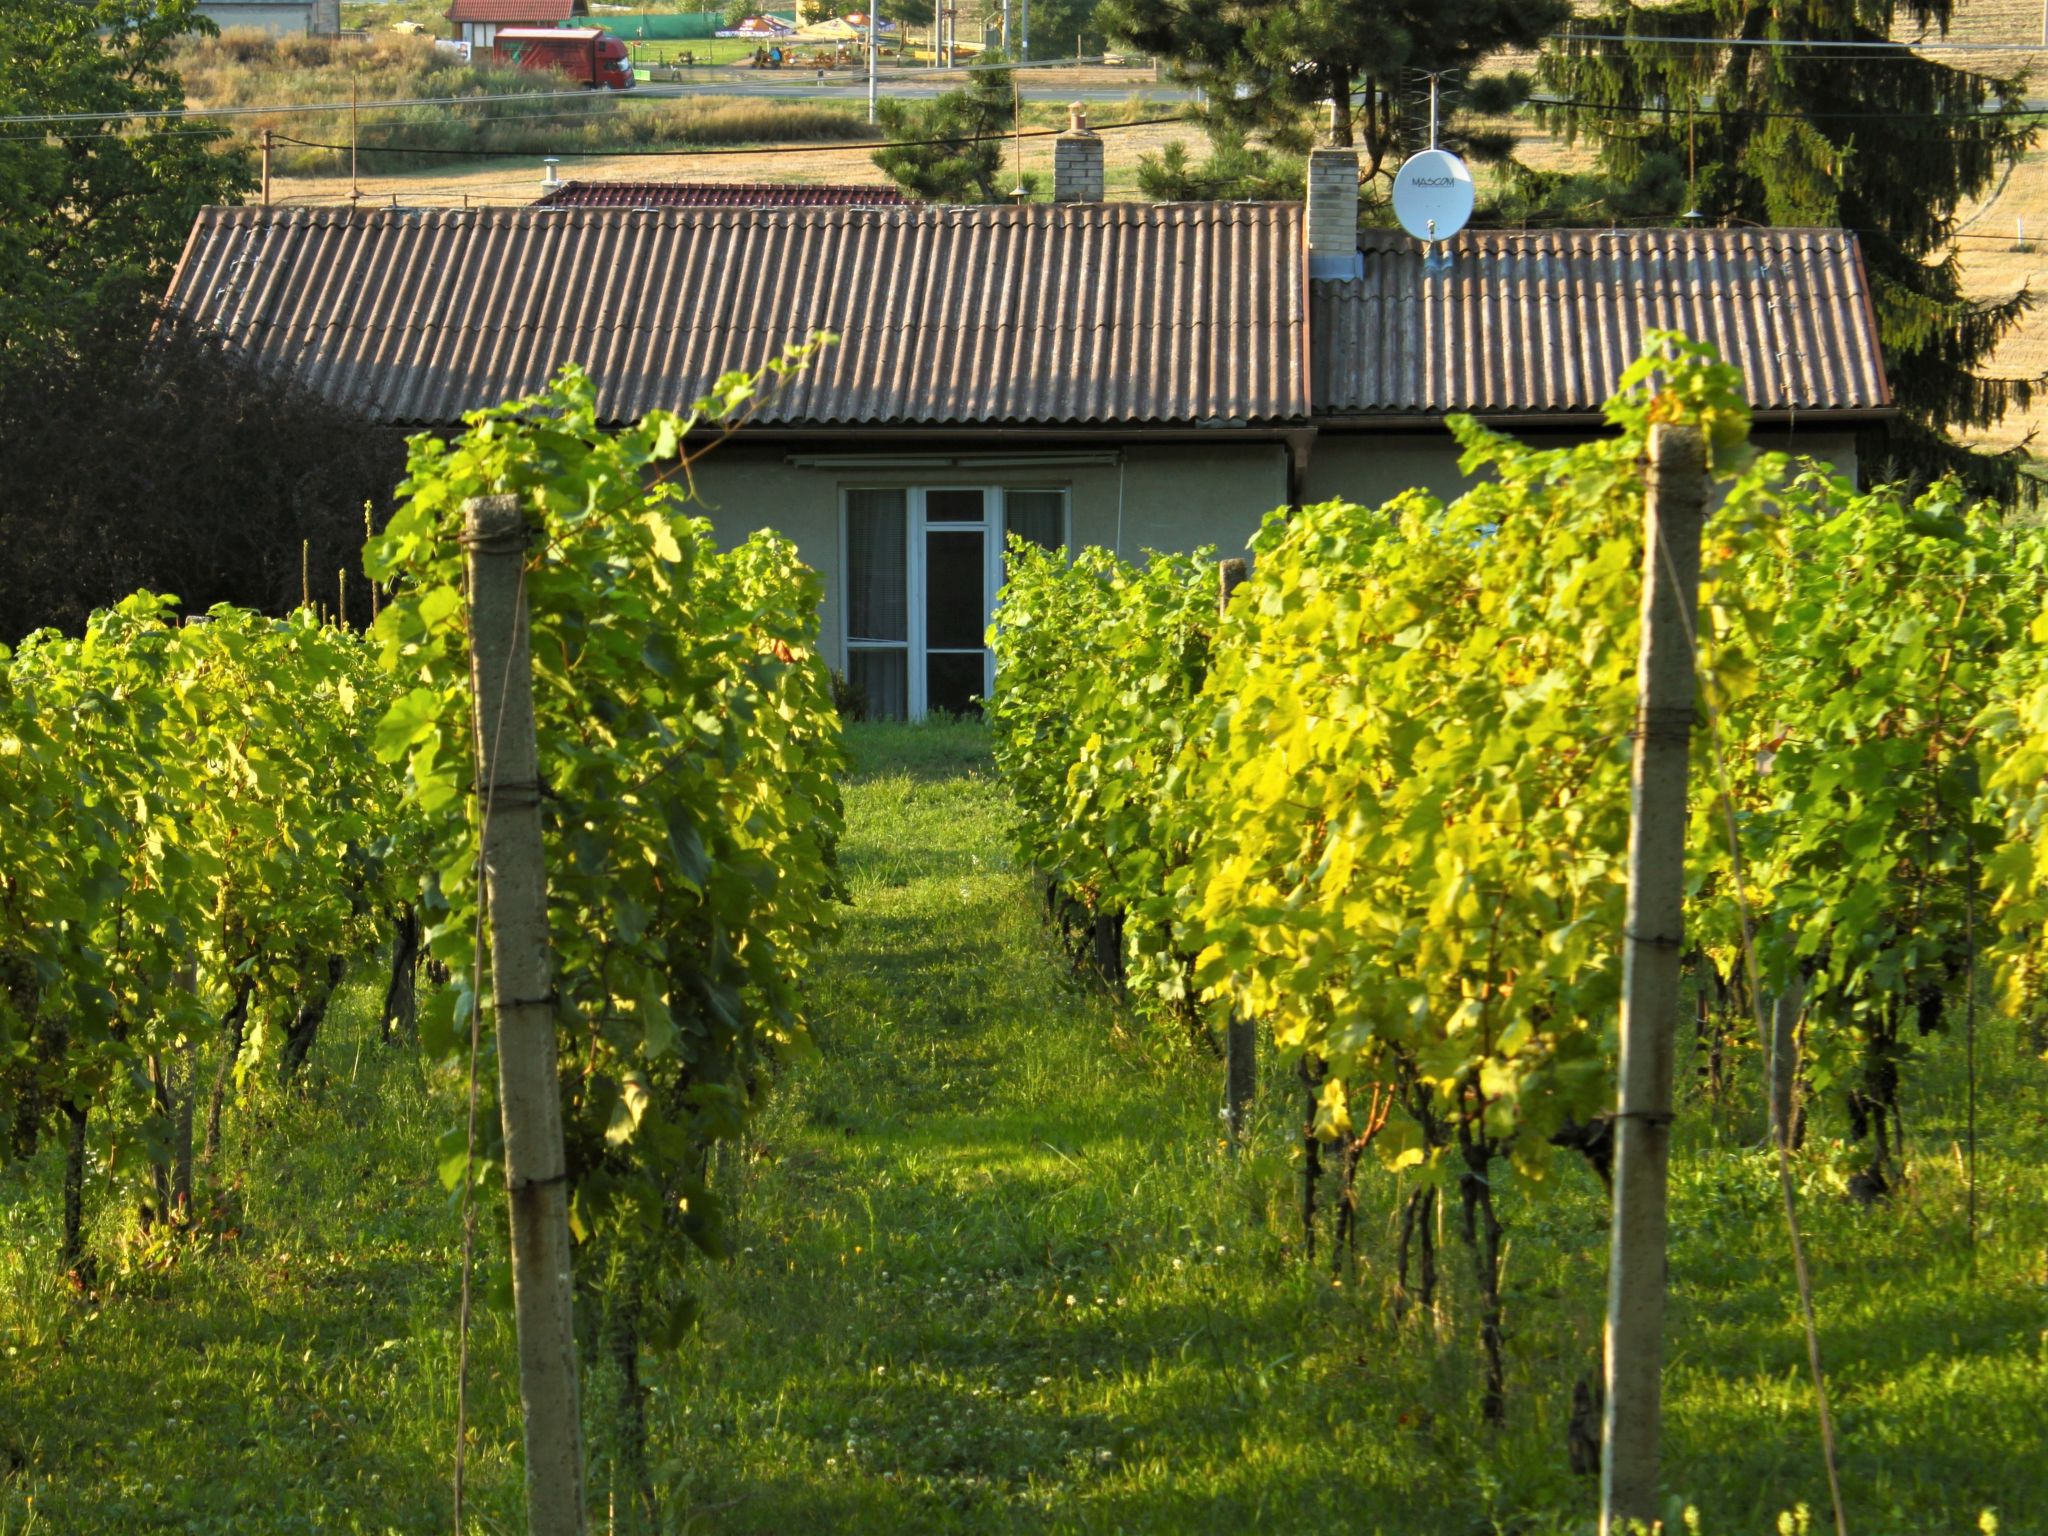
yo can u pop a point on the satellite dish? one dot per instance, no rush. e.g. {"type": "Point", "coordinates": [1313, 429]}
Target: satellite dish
{"type": "Point", "coordinates": [1433, 194]}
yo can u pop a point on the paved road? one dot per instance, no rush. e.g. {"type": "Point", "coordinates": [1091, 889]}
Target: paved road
{"type": "Point", "coordinates": [838, 90]}
{"type": "Point", "coordinates": [900, 85]}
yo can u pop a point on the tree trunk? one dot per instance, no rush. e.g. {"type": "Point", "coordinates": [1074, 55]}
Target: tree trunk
{"type": "Point", "coordinates": [401, 993]}
{"type": "Point", "coordinates": [623, 1344]}
{"type": "Point", "coordinates": [1240, 1036]}
{"type": "Point", "coordinates": [236, 1022]}
{"type": "Point", "coordinates": [523, 1012]}
{"type": "Point", "coordinates": [1418, 1225]}
{"type": "Point", "coordinates": [184, 1096]}
{"type": "Point", "coordinates": [1108, 948]}
{"type": "Point", "coordinates": [1311, 1154]}
{"type": "Point", "coordinates": [1346, 1243]}
{"type": "Point", "coordinates": [160, 1155]}
{"type": "Point", "coordinates": [1340, 107]}
{"type": "Point", "coordinates": [316, 992]}
{"type": "Point", "coordinates": [1781, 1056]}
{"type": "Point", "coordinates": [1482, 1236]}
{"type": "Point", "coordinates": [77, 1262]}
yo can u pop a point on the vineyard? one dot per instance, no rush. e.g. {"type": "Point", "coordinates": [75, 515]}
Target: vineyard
{"type": "Point", "coordinates": [1185, 1102]}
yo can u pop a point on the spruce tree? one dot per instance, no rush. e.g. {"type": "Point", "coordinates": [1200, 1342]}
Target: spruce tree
{"type": "Point", "coordinates": [1770, 124]}
{"type": "Point", "coordinates": [1268, 67]}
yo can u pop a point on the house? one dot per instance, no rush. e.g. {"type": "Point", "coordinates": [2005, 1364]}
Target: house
{"type": "Point", "coordinates": [280, 18]}
{"type": "Point", "coordinates": [716, 194]}
{"type": "Point", "coordinates": [1130, 375]}
{"type": "Point", "coordinates": [476, 22]}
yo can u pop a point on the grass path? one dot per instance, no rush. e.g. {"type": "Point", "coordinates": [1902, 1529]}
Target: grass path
{"type": "Point", "coordinates": [993, 1275]}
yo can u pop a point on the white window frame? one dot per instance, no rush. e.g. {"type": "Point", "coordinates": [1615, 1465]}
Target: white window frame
{"type": "Point", "coordinates": [992, 528]}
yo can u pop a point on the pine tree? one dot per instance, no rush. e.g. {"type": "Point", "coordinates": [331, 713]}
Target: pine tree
{"type": "Point", "coordinates": [1874, 139]}
{"type": "Point", "coordinates": [952, 149]}
{"type": "Point", "coordinates": [1267, 67]}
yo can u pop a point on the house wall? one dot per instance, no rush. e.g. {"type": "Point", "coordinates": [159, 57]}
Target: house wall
{"type": "Point", "coordinates": [1168, 497]}
{"type": "Point", "coordinates": [280, 18]}
{"type": "Point", "coordinates": [1373, 468]}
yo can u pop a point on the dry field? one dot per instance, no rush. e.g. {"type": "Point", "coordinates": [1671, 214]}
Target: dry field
{"type": "Point", "coordinates": [514, 181]}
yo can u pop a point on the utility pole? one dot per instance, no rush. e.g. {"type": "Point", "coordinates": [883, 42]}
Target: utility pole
{"type": "Point", "coordinates": [1023, 30]}
{"type": "Point", "coordinates": [515, 895]}
{"type": "Point", "coordinates": [1240, 1035]}
{"type": "Point", "coordinates": [873, 49]}
{"type": "Point", "coordinates": [355, 192]}
{"type": "Point", "coordinates": [266, 167]}
{"type": "Point", "coordinates": [1653, 940]}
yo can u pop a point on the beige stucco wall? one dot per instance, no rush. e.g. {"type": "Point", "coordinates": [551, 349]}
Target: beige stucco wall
{"type": "Point", "coordinates": [1167, 497]}
{"type": "Point", "coordinates": [1371, 469]}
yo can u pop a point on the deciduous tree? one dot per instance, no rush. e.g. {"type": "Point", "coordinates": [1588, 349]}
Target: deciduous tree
{"type": "Point", "coordinates": [95, 207]}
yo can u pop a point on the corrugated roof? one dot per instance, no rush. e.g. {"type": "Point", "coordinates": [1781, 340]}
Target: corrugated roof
{"type": "Point", "coordinates": [1088, 313]}
{"type": "Point", "coordinates": [512, 12]}
{"type": "Point", "coordinates": [716, 194]}
{"type": "Point", "coordinates": [1544, 321]}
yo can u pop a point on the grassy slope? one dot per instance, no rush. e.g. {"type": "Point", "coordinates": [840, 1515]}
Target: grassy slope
{"type": "Point", "coordinates": [995, 1277]}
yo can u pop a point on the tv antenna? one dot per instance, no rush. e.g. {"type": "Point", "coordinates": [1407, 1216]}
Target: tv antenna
{"type": "Point", "coordinates": [1433, 193]}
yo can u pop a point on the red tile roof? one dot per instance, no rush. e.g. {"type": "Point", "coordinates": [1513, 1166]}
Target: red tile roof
{"type": "Point", "coordinates": [513, 13]}
{"type": "Point", "coordinates": [732, 194]}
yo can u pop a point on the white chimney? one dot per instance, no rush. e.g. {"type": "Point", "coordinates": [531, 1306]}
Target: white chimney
{"type": "Point", "coordinates": [1077, 161]}
{"type": "Point", "coordinates": [1333, 214]}
{"type": "Point", "coordinates": [550, 183]}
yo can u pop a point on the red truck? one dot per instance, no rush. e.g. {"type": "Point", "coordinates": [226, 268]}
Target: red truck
{"type": "Point", "coordinates": [586, 55]}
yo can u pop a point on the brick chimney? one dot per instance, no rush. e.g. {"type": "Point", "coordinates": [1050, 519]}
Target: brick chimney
{"type": "Point", "coordinates": [1333, 214]}
{"type": "Point", "coordinates": [1077, 161]}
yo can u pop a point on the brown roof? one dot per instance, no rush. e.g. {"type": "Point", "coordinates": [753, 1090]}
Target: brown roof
{"type": "Point", "coordinates": [512, 13]}
{"type": "Point", "coordinates": [716, 194]}
{"type": "Point", "coordinates": [1543, 322]}
{"type": "Point", "coordinates": [1090, 313]}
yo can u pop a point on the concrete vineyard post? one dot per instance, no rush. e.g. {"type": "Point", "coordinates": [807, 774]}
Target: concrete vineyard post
{"type": "Point", "coordinates": [1240, 1036]}
{"type": "Point", "coordinates": [1653, 936]}
{"type": "Point", "coordinates": [522, 989]}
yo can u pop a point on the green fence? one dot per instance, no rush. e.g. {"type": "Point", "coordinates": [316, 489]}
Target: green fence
{"type": "Point", "coordinates": [665, 26]}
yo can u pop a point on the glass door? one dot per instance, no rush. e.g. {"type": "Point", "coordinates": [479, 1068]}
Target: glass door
{"type": "Point", "coordinates": [956, 558]}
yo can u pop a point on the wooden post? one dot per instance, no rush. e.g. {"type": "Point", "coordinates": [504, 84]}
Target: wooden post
{"type": "Point", "coordinates": [523, 1008]}
{"type": "Point", "coordinates": [1240, 1036]}
{"type": "Point", "coordinates": [266, 167]}
{"type": "Point", "coordinates": [1653, 940]}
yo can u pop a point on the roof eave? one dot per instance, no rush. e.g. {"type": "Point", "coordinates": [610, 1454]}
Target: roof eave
{"type": "Point", "coordinates": [1409, 421]}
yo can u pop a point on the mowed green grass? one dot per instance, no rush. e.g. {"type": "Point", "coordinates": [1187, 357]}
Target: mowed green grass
{"type": "Point", "coordinates": [996, 1274]}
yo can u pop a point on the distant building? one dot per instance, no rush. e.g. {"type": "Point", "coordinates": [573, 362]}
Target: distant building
{"type": "Point", "coordinates": [716, 194]}
{"type": "Point", "coordinates": [476, 22]}
{"type": "Point", "coordinates": [280, 18]}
